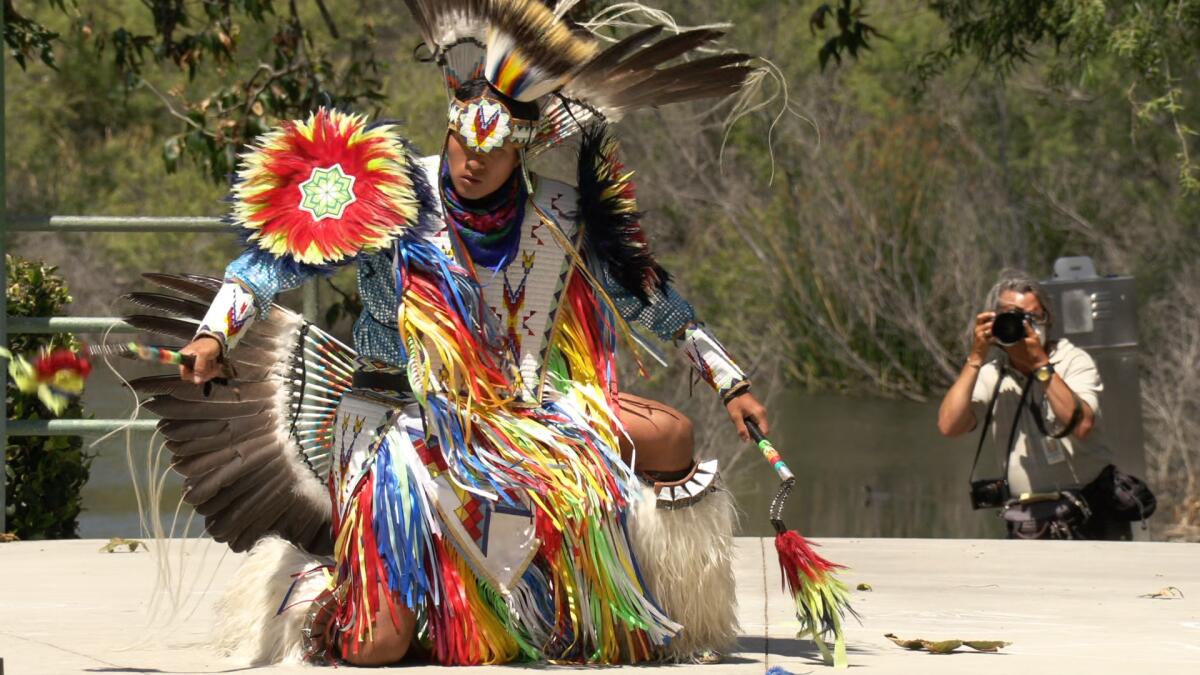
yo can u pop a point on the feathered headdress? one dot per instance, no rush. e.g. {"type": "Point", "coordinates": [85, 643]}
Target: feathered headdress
{"type": "Point", "coordinates": [529, 53]}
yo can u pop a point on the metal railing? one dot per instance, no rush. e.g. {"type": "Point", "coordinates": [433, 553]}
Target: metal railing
{"type": "Point", "coordinates": [68, 324]}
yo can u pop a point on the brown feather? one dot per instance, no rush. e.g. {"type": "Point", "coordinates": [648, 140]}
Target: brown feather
{"type": "Point", "coordinates": [246, 514]}
{"type": "Point", "coordinates": [179, 329]}
{"type": "Point", "coordinates": [262, 517]}
{"type": "Point", "coordinates": [237, 428]}
{"type": "Point", "coordinates": [245, 486]}
{"type": "Point", "coordinates": [668, 48]}
{"type": "Point", "coordinates": [196, 465]}
{"type": "Point", "coordinates": [170, 407]}
{"type": "Point", "coordinates": [169, 304]}
{"type": "Point", "coordinates": [203, 487]}
{"type": "Point", "coordinates": [182, 284]}
{"type": "Point", "coordinates": [173, 386]}
{"type": "Point", "coordinates": [186, 430]}
{"type": "Point", "coordinates": [611, 56]}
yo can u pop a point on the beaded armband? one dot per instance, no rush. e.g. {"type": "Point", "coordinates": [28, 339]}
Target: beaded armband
{"type": "Point", "coordinates": [713, 363]}
{"type": "Point", "coordinates": [229, 315]}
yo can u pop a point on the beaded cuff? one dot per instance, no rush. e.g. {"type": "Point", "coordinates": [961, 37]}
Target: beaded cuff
{"type": "Point", "coordinates": [712, 362]}
{"type": "Point", "coordinates": [229, 314]}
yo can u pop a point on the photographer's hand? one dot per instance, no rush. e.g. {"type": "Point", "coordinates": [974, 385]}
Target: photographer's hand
{"type": "Point", "coordinates": [1027, 355]}
{"type": "Point", "coordinates": [983, 340]}
{"type": "Point", "coordinates": [955, 416]}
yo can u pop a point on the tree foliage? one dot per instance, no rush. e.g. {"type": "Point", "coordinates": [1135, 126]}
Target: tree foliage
{"type": "Point", "coordinates": [289, 72]}
{"type": "Point", "coordinates": [1156, 45]}
{"type": "Point", "coordinates": [853, 32]}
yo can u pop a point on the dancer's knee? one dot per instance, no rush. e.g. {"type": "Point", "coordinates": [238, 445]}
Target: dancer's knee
{"type": "Point", "coordinates": [388, 644]}
{"type": "Point", "coordinates": [683, 443]}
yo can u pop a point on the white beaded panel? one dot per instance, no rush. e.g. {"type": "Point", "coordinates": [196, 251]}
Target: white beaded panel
{"type": "Point", "coordinates": [524, 297]}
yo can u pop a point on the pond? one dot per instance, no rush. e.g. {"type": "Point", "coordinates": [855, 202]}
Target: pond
{"type": "Point", "coordinates": [865, 468]}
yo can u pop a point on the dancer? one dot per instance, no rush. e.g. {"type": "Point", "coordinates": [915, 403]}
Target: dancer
{"type": "Point", "coordinates": [486, 491]}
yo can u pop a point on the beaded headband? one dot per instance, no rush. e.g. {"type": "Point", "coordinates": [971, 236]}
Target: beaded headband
{"type": "Point", "coordinates": [486, 123]}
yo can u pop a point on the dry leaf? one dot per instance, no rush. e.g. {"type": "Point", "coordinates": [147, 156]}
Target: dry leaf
{"type": "Point", "coordinates": [942, 646]}
{"type": "Point", "coordinates": [1165, 593]}
{"type": "Point", "coordinates": [986, 645]}
{"type": "Point", "coordinates": [117, 542]}
{"type": "Point", "coordinates": [947, 646]}
{"type": "Point", "coordinates": [907, 644]}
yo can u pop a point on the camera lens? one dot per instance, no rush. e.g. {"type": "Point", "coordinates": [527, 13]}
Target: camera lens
{"type": "Point", "coordinates": [1009, 328]}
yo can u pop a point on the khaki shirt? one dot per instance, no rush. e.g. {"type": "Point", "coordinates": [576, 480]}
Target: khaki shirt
{"type": "Point", "coordinates": [1040, 463]}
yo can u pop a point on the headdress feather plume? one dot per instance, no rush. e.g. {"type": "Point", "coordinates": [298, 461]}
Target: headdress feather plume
{"type": "Point", "coordinates": [532, 52]}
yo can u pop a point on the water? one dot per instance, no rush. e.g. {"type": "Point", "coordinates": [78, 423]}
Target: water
{"type": "Point", "coordinates": [865, 468]}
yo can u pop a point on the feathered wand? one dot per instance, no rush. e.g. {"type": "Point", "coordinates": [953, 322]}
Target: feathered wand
{"type": "Point", "coordinates": [58, 376]}
{"type": "Point", "coordinates": [822, 600]}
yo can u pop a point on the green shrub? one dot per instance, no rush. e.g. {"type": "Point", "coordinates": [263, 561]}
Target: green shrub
{"type": "Point", "coordinates": [44, 474]}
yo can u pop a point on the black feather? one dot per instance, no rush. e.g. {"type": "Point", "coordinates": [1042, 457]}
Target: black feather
{"type": "Point", "coordinates": [668, 48]}
{"type": "Point", "coordinates": [182, 284]}
{"type": "Point", "coordinates": [610, 57]}
{"type": "Point", "coordinates": [613, 234]}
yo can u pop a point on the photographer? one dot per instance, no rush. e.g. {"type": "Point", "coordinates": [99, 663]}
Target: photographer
{"type": "Point", "coordinates": [1043, 423]}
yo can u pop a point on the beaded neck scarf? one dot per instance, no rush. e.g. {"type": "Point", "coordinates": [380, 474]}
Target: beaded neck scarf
{"type": "Point", "coordinates": [489, 227]}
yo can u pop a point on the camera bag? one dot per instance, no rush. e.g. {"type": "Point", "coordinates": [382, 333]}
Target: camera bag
{"type": "Point", "coordinates": [1058, 518]}
{"type": "Point", "coordinates": [1126, 496]}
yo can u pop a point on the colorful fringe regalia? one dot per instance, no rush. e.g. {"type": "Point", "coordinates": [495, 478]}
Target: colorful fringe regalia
{"type": "Point", "coordinates": [482, 489]}
{"type": "Point", "coordinates": [581, 598]}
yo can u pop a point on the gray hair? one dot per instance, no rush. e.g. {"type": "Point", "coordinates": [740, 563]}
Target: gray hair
{"type": "Point", "coordinates": [1019, 281]}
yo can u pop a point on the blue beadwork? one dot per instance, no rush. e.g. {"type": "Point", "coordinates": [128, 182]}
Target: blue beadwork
{"type": "Point", "coordinates": [665, 315]}
{"type": "Point", "coordinates": [375, 333]}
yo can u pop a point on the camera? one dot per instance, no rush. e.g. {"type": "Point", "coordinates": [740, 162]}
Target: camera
{"type": "Point", "coordinates": [989, 494]}
{"type": "Point", "coordinates": [1009, 327]}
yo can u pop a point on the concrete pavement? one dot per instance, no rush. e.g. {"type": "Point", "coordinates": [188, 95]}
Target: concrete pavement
{"type": "Point", "coordinates": [1067, 607]}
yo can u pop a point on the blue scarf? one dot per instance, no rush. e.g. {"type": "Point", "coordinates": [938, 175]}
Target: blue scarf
{"type": "Point", "coordinates": [489, 227]}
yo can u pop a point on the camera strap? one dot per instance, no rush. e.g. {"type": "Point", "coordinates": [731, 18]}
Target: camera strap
{"type": "Point", "coordinates": [1076, 418]}
{"type": "Point", "coordinates": [987, 423]}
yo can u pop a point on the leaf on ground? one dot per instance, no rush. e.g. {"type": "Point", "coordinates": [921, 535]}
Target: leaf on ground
{"type": "Point", "coordinates": [1164, 593]}
{"type": "Point", "coordinates": [907, 644]}
{"type": "Point", "coordinates": [947, 646]}
{"type": "Point", "coordinates": [864, 587]}
{"type": "Point", "coordinates": [986, 645]}
{"type": "Point", "coordinates": [941, 646]}
{"type": "Point", "coordinates": [117, 542]}
{"type": "Point", "coordinates": [8, 538]}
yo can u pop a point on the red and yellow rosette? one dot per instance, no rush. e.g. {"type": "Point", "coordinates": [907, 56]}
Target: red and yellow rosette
{"type": "Point", "coordinates": [318, 192]}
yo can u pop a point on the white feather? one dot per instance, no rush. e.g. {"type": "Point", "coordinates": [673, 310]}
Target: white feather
{"type": "Point", "coordinates": [686, 558]}
{"type": "Point", "coordinates": [248, 627]}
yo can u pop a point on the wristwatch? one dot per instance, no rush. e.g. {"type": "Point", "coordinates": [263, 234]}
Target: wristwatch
{"type": "Point", "coordinates": [1044, 373]}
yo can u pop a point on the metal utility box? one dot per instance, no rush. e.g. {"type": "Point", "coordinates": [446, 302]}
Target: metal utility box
{"type": "Point", "coordinates": [1099, 314]}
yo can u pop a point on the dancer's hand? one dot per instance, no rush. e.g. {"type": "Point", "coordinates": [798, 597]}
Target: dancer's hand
{"type": "Point", "coordinates": [207, 351]}
{"type": "Point", "coordinates": [746, 406]}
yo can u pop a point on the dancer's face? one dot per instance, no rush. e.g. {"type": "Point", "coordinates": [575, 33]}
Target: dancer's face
{"type": "Point", "coordinates": [479, 174]}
